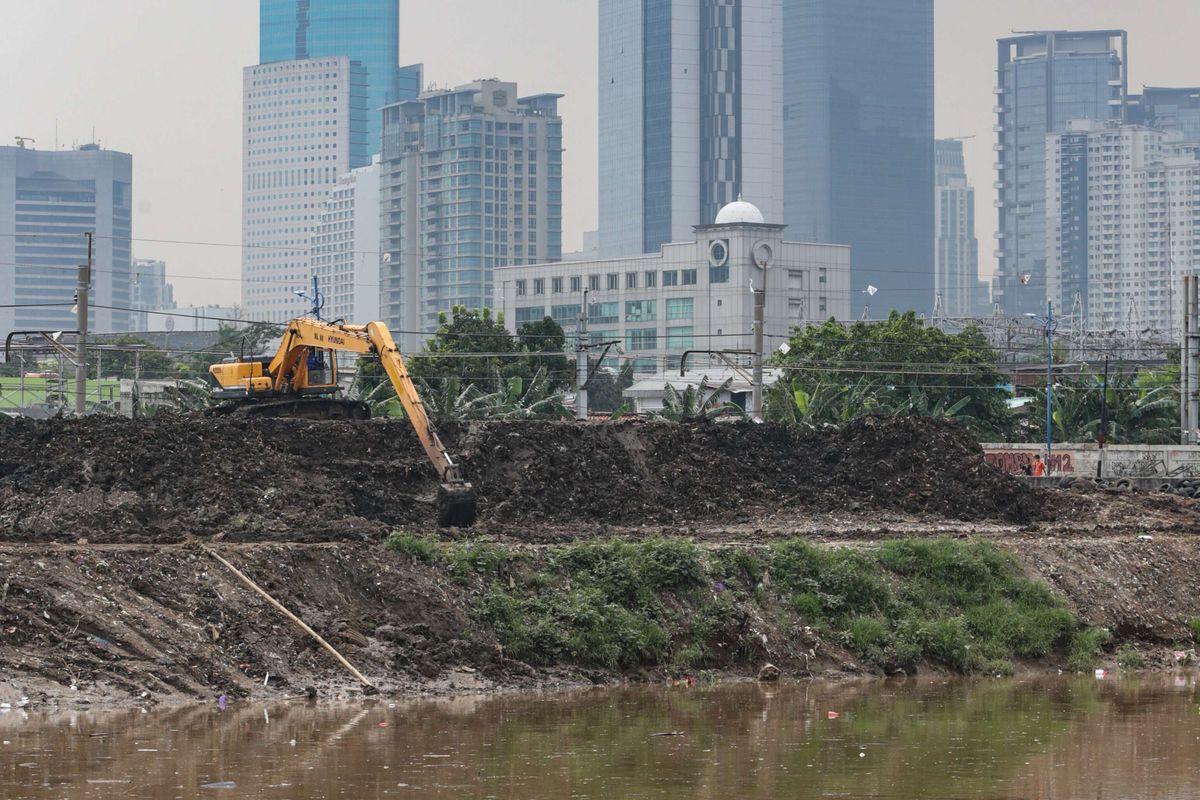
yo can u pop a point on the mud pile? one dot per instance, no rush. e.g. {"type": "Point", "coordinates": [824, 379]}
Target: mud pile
{"type": "Point", "coordinates": [114, 480]}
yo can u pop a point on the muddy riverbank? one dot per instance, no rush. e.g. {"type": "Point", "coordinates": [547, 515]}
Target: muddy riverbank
{"type": "Point", "coordinates": [666, 552]}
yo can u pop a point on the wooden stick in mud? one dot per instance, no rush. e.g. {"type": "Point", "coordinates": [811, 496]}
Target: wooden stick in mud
{"type": "Point", "coordinates": [299, 622]}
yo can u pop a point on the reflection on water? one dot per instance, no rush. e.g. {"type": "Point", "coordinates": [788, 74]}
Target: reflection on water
{"type": "Point", "coordinates": [1046, 737]}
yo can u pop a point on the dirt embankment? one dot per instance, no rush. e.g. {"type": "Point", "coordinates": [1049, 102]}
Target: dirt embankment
{"type": "Point", "coordinates": [115, 480]}
{"type": "Point", "coordinates": [104, 587]}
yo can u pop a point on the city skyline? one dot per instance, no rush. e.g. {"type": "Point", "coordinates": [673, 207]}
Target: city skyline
{"type": "Point", "coordinates": [154, 113]}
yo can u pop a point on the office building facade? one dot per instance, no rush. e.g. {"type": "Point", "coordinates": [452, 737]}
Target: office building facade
{"type": "Point", "coordinates": [690, 92]}
{"type": "Point", "coordinates": [366, 31]}
{"type": "Point", "coordinates": [858, 141]}
{"type": "Point", "coordinates": [298, 117]}
{"type": "Point", "coordinates": [956, 283]}
{"type": "Point", "coordinates": [691, 295]}
{"type": "Point", "coordinates": [1167, 108]}
{"type": "Point", "coordinates": [150, 292]}
{"type": "Point", "coordinates": [345, 247]}
{"type": "Point", "coordinates": [1123, 223]}
{"type": "Point", "coordinates": [48, 200]}
{"type": "Point", "coordinates": [471, 180]}
{"type": "Point", "coordinates": [1044, 81]}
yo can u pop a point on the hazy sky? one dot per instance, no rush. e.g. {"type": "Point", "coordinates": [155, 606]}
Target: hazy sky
{"type": "Point", "coordinates": [162, 79]}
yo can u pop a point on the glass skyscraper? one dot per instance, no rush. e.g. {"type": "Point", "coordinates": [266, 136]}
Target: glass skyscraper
{"type": "Point", "coordinates": [858, 141]}
{"type": "Point", "coordinates": [366, 31]}
{"type": "Point", "coordinates": [1045, 80]}
{"type": "Point", "coordinates": [690, 95]}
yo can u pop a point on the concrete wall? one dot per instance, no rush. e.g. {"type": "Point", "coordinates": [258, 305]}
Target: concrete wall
{"type": "Point", "coordinates": [1120, 461]}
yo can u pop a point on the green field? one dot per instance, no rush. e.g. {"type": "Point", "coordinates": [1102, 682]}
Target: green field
{"type": "Point", "coordinates": [36, 389]}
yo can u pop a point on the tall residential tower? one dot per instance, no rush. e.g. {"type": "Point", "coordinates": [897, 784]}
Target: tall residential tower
{"type": "Point", "coordinates": [470, 180]}
{"type": "Point", "coordinates": [1044, 81]}
{"type": "Point", "coordinates": [858, 141]}
{"type": "Point", "coordinates": [690, 97]}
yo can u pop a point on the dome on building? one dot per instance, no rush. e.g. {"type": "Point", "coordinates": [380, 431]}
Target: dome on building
{"type": "Point", "coordinates": [740, 212]}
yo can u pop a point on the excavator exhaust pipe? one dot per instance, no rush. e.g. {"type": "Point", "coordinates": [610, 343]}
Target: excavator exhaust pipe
{"type": "Point", "coordinates": [456, 505]}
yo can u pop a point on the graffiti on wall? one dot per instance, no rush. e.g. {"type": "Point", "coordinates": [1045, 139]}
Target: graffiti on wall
{"type": "Point", "coordinates": [1015, 461]}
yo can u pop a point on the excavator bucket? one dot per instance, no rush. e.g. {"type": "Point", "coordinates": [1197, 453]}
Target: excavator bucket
{"type": "Point", "coordinates": [456, 505]}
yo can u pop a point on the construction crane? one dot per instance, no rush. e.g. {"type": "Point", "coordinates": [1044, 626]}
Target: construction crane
{"type": "Point", "coordinates": [301, 380]}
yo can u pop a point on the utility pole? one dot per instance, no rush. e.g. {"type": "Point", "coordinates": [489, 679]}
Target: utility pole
{"type": "Point", "coordinates": [1049, 380]}
{"type": "Point", "coordinates": [581, 362]}
{"type": "Point", "coordinates": [1103, 420]}
{"type": "Point", "coordinates": [1189, 365]}
{"type": "Point", "coordinates": [81, 311]}
{"type": "Point", "coordinates": [760, 302]}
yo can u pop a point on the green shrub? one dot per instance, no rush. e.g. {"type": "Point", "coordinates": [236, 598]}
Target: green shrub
{"type": "Point", "coordinates": [1129, 657]}
{"type": "Point", "coordinates": [479, 558]}
{"type": "Point", "coordinates": [1194, 624]}
{"type": "Point", "coordinates": [419, 548]}
{"type": "Point", "coordinates": [868, 636]}
{"type": "Point", "coordinates": [1085, 649]}
{"type": "Point", "coordinates": [808, 606]}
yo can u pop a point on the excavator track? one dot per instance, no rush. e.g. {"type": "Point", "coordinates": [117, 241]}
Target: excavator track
{"type": "Point", "coordinates": [318, 408]}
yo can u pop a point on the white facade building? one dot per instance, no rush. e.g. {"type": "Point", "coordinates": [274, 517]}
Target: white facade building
{"type": "Point", "coordinates": [956, 283]}
{"type": "Point", "coordinates": [1123, 222]}
{"type": "Point", "coordinates": [345, 247]}
{"type": "Point", "coordinates": [691, 99]}
{"type": "Point", "coordinates": [298, 117]}
{"type": "Point", "coordinates": [692, 295]}
{"type": "Point", "coordinates": [150, 291]}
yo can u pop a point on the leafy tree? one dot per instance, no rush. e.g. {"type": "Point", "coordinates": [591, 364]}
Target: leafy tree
{"type": "Point", "coordinates": [606, 391]}
{"type": "Point", "coordinates": [147, 362]}
{"type": "Point", "coordinates": [909, 366]}
{"type": "Point", "coordinates": [474, 347]}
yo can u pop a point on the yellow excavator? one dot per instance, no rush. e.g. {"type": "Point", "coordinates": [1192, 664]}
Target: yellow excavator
{"type": "Point", "coordinates": [301, 380]}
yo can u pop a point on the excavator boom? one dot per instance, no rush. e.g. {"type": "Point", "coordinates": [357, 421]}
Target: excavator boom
{"type": "Point", "coordinates": [303, 372]}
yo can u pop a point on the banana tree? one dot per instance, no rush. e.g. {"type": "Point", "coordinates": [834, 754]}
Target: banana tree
{"type": "Point", "coordinates": [697, 404]}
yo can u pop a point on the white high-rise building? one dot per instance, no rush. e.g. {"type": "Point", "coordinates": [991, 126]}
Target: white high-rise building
{"type": "Point", "coordinates": [299, 117]}
{"type": "Point", "coordinates": [1123, 222]}
{"type": "Point", "coordinates": [150, 292]}
{"type": "Point", "coordinates": [691, 98]}
{"type": "Point", "coordinates": [956, 254]}
{"type": "Point", "coordinates": [345, 247]}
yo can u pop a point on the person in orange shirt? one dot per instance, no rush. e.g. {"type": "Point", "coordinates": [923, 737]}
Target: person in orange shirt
{"type": "Point", "coordinates": [1039, 467]}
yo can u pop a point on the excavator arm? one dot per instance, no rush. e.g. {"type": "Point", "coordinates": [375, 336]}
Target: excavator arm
{"type": "Point", "coordinates": [288, 375]}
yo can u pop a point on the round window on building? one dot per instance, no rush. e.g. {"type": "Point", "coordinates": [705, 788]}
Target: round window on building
{"type": "Point", "coordinates": [763, 254]}
{"type": "Point", "coordinates": [718, 253]}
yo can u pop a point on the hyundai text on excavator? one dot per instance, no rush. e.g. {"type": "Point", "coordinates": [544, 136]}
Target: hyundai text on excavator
{"type": "Point", "coordinates": [301, 380]}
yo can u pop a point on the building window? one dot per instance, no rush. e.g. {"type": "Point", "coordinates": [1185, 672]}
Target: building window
{"type": "Point", "coordinates": [822, 306]}
{"type": "Point", "coordinates": [565, 315]}
{"type": "Point", "coordinates": [630, 280]}
{"type": "Point", "coordinates": [645, 366]}
{"type": "Point", "coordinates": [614, 281]}
{"type": "Point", "coordinates": [641, 310]}
{"type": "Point", "coordinates": [670, 277]}
{"type": "Point", "coordinates": [576, 283]}
{"type": "Point", "coordinates": [689, 277]}
{"type": "Point", "coordinates": [539, 285]}
{"type": "Point", "coordinates": [651, 279]}
{"type": "Point", "coordinates": [599, 337]}
{"type": "Point", "coordinates": [594, 283]}
{"type": "Point", "coordinates": [680, 307]}
{"type": "Point", "coordinates": [642, 339]}
{"type": "Point", "coordinates": [556, 285]}
{"type": "Point", "coordinates": [521, 286]}
{"type": "Point", "coordinates": [526, 314]}
{"type": "Point", "coordinates": [604, 313]}
{"type": "Point", "coordinates": [680, 338]}
{"type": "Point", "coordinates": [718, 274]}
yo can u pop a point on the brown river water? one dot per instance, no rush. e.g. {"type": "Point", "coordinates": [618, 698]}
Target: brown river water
{"type": "Point", "coordinates": [1127, 736]}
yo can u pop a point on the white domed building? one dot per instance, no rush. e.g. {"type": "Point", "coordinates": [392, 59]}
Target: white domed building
{"type": "Point", "coordinates": [689, 296]}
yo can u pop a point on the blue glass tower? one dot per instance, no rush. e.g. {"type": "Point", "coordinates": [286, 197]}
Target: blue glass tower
{"type": "Point", "coordinates": [366, 31]}
{"type": "Point", "coordinates": [858, 141]}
